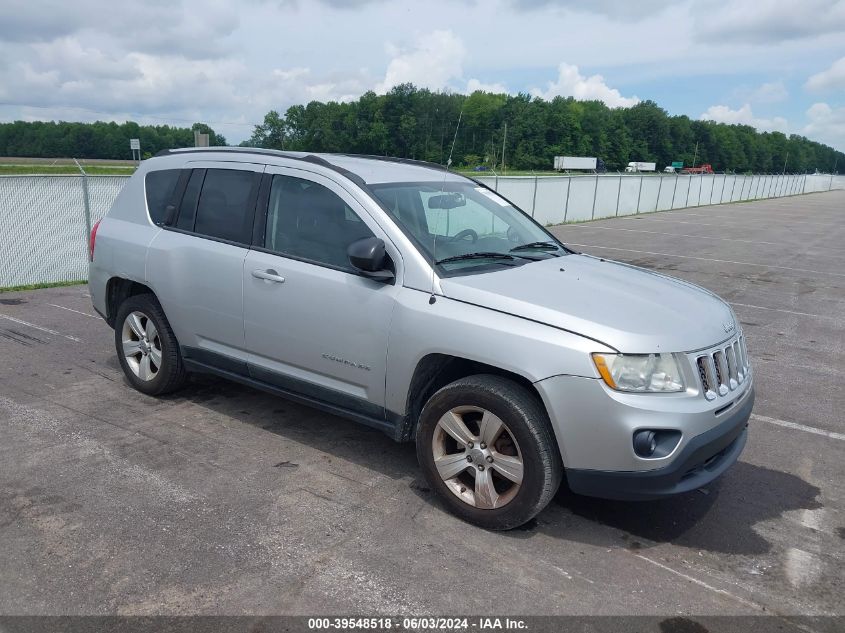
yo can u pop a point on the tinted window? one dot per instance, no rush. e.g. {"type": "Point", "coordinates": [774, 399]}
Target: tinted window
{"type": "Point", "coordinates": [226, 204]}
{"type": "Point", "coordinates": [188, 207]}
{"type": "Point", "coordinates": [160, 185]}
{"type": "Point", "coordinates": [309, 221]}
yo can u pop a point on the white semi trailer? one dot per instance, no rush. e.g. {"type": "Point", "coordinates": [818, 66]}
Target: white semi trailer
{"type": "Point", "coordinates": [639, 166]}
{"type": "Point", "coordinates": [566, 163]}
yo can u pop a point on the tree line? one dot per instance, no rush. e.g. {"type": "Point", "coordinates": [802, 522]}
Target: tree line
{"type": "Point", "coordinates": [50, 139]}
{"type": "Point", "coordinates": [421, 124]}
{"type": "Point", "coordinates": [519, 131]}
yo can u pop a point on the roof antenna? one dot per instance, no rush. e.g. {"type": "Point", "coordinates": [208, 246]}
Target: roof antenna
{"type": "Point", "coordinates": [432, 298]}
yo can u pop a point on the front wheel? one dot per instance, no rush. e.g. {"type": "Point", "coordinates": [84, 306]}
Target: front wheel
{"type": "Point", "coordinates": [146, 346]}
{"type": "Point", "coordinates": [485, 444]}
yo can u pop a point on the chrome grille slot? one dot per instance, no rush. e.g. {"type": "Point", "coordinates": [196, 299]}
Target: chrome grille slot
{"type": "Point", "coordinates": [702, 373]}
{"type": "Point", "coordinates": [740, 365]}
{"type": "Point", "coordinates": [718, 360]}
{"type": "Point", "coordinates": [723, 369]}
{"type": "Point", "coordinates": [730, 361]}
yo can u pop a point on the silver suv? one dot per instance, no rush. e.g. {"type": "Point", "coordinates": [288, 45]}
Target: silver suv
{"type": "Point", "coordinates": [420, 302]}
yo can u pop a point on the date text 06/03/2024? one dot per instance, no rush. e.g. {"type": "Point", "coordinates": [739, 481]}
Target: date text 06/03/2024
{"type": "Point", "coordinates": [418, 624]}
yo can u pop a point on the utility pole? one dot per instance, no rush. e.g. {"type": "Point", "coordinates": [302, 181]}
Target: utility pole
{"type": "Point", "coordinates": [504, 138]}
{"type": "Point", "coordinates": [695, 155]}
{"type": "Point", "coordinates": [442, 132]}
{"type": "Point", "coordinates": [785, 161]}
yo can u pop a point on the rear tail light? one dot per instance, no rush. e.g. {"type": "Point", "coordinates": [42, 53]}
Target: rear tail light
{"type": "Point", "coordinates": [92, 241]}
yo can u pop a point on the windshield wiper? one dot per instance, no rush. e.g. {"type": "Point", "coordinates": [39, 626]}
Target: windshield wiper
{"type": "Point", "coordinates": [479, 255]}
{"type": "Point", "coordinates": [538, 246]}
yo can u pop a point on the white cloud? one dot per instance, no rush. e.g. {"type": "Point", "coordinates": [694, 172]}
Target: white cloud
{"type": "Point", "coordinates": [300, 85]}
{"type": "Point", "coordinates": [612, 9]}
{"type": "Point", "coordinates": [826, 125]}
{"type": "Point", "coordinates": [179, 61]}
{"type": "Point", "coordinates": [770, 92]}
{"type": "Point", "coordinates": [435, 59]}
{"type": "Point", "coordinates": [743, 116]}
{"type": "Point", "coordinates": [831, 79]}
{"type": "Point", "coordinates": [768, 21]}
{"type": "Point", "coordinates": [571, 83]}
{"type": "Point", "coordinates": [474, 84]}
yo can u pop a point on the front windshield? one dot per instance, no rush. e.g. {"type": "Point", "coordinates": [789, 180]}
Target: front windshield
{"type": "Point", "coordinates": [463, 226]}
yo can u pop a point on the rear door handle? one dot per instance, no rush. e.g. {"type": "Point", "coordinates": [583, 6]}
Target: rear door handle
{"type": "Point", "coordinates": [268, 275]}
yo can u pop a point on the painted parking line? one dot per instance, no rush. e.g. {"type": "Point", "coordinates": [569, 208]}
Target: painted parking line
{"type": "Point", "coordinates": [798, 427]}
{"type": "Point", "coordinates": [93, 316]}
{"type": "Point", "coordinates": [806, 314]}
{"type": "Point", "coordinates": [698, 237]}
{"type": "Point", "coordinates": [40, 328]}
{"type": "Point", "coordinates": [709, 259]}
{"type": "Point", "coordinates": [764, 217]}
{"type": "Point", "coordinates": [652, 217]}
{"type": "Point", "coordinates": [701, 583]}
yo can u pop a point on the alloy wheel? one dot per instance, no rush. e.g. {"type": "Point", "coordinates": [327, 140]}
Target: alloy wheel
{"type": "Point", "coordinates": [477, 457]}
{"type": "Point", "coordinates": [141, 345]}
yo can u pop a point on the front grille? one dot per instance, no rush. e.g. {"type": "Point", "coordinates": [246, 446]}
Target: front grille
{"type": "Point", "coordinates": [702, 373]}
{"type": "Point", "coordinates": [723, 369]}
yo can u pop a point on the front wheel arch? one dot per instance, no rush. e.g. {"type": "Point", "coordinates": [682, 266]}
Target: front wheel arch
{"type": "Point", "coordinates": [435, 371]}
{"type": "Point", "coordinates": [447, 471]}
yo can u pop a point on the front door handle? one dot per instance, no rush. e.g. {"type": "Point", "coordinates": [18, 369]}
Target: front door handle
{"type": "Point", "coordinates": [268, 275]}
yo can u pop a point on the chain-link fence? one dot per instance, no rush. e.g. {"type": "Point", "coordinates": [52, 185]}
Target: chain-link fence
{"type": "Point", "coordinates": [46, 220]}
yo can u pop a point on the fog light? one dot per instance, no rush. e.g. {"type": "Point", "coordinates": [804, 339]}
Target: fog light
{"type": "Point", "coordinates": [645, 443]}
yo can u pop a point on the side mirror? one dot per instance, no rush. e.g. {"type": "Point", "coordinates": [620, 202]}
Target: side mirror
{"type": "Point", "coordinates": [368, 257]}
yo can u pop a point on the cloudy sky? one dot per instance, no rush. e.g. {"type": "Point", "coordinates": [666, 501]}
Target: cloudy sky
{"type": "Point", "coordinates": [773, 64]}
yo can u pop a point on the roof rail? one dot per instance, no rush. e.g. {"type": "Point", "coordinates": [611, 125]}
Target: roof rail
{"type": "Point", "coordinates": [310, 158]}
{"type": "Point", "coordinates": [392, 159]}
{"type": "Point", "coordinates": [319, 160]}
{"type": "Point", "coordinates": [224, 148]}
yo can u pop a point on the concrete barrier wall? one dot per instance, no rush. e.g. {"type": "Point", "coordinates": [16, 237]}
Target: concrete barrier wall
{"type": "Point", "coordinates": [576, 198]}
{"type": "Point", "coordinates": [44, 220]}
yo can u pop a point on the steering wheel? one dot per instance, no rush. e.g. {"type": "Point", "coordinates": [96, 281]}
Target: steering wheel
{"type": "Point", "coordinates": [465, 233]}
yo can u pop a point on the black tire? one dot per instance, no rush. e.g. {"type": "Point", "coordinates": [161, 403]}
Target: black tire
{"type": "Point", "coordinates": [526, 420]}
{"type": "Point", "coordinates": [171, 375]}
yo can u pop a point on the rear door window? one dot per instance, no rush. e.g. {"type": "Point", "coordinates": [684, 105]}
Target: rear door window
{"type": "Point", "coordinates": [160, 186]}
{"type": "Point", "coordinates": [188, 207]}
{"type": "Point", "coordinates": [226, 205]}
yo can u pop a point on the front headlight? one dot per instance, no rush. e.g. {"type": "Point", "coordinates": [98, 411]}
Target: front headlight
{"type": "Point", "coordinates": [642, 373]}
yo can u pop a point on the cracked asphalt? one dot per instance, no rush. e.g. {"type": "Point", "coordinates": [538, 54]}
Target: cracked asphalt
{"type": "Point", "coordinates": [225, 500]}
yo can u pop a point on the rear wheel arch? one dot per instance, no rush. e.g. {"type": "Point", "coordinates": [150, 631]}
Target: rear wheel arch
{"type": "Point", "coordinates": [118, 290]}
{"type": "Point", "coordinates": [147, 348]}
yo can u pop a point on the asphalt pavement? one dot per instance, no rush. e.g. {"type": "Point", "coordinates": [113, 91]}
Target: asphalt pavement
{"type": "Point", "coordinates": [225, 500]}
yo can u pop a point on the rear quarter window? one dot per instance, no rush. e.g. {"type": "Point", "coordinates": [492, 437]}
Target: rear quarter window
{"type": "Point", "coordinates": [159, 186]}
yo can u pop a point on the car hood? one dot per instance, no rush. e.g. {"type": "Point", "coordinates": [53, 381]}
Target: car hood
{"type": "Point", "coordinates": [628, 308]}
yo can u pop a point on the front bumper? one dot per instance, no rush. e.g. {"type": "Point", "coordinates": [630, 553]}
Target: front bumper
{"type": "Point", "coordinates": [704, 458]}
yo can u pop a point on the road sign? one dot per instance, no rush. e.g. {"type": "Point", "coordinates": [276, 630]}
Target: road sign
{"type": "Point", "coordinates": [135, 143]}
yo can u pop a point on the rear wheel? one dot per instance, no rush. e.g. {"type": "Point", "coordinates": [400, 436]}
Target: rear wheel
{"type": "Point", "coordinates": [485, 444]}
{"type": "Point", "coordinates": [146, 346]}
